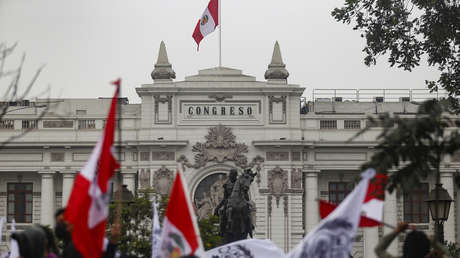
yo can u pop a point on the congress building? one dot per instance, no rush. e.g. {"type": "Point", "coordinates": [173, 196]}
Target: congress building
{"type": "Point", "coordinates": [209, 123]}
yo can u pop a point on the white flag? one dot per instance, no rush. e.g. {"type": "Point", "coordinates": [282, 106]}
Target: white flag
{"type": "Point", "coordinates": [247, 248]}
{"type": "Point", "coordinates": [156, 231]}
{"type": "Point", "coordinates": [14, 247]}
{"type": "Point", "coordinates": [334, 235]}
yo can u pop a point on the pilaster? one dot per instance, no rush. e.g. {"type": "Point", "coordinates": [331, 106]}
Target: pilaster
{"type": "Point", "coordinates": [68, 177]}
{"type": "Point", "coordinates": [47, 208]}
{"type": "Point", "coordinates": [447, 181]}
{"type": "Point", "coordinates": [311, 199]}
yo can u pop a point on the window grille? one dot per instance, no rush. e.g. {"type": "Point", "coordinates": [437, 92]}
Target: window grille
{"type": "Point", "coordinates": [86, 124]}
{"type": "Point", "coordinates": [338, 191]}
{"type": "Point", "coordinates": [352, 124]}
{"type": "Point", "coordinates": [145, 156]}
{"type": "Point", "coordinates": [328, 124]}
{"type": "Point", "coordinates": [7, 124]}
{"type": "Point", "coordinates": [19, 198]}
{"type": "Point", "coordinates": [415, 207]}
{"type": "Point", "coordinates": [29, 124]}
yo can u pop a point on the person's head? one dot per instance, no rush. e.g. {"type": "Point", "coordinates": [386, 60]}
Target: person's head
{"type": "Point", "coordinates": [63, 229]}
{"type": "Point", "coordinates": [31, 242]}
{"type": "Point", "coordinates": [416, 245]}
{"type": "Point", "coordinates": [233, 174]}
{"type": "Point", "coordinates": [50, 245]}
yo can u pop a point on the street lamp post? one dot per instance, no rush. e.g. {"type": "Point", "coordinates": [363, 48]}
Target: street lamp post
{"type": "Point", "coordinates": [439, 202]}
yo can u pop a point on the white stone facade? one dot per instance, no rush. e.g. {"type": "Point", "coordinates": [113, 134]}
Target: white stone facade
{"type": "Point", "coordinates": [209, 123]}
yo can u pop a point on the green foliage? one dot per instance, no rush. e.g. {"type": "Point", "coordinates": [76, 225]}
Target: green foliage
{"type": "Point", "coordinates": [408, 31]}
{"type": "Point", "coordinates": [414, 147]}
{"type": "Point", "coordinates": [453, 248]}
{"type": "Point", "coordinates": [209, 231]}
{"type": "Point", "coordinates": [136, 234]}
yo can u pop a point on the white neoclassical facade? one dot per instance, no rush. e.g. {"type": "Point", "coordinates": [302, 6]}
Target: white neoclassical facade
{"type": "Point", "coordinates": [209, 123]}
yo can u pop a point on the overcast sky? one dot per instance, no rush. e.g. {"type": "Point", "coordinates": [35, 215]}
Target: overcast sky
{"type": "Point", "coordinates": [87, 43]}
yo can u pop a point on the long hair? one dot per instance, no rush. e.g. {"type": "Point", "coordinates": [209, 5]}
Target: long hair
{"type": "Point", "coordinates": [416, 245]}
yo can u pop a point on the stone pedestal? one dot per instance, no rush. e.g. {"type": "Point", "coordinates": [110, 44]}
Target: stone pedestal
{"type": "Point", "coordinates": [129, 179]}
{"type": "Point", "coordinates": [48, 200]}
{"type": "Point", "coordinates": [311, 200]}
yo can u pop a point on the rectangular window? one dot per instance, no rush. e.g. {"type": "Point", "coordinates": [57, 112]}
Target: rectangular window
{"type": "Point", "coordinates": [145, 156]}
{"type": "Point", "coordinates": [352, 124]}
{"type": "Point", "coordinates": [81, 112]}
{"type": "Point", "coordinates": [86, 124]}
{"type": "Point", "coordinates": [19, 198]}
{"type": "Point", "coordinates": [29, 124]}
{"type": "Point", "coordinates": [57, 156]}
{"type": "Point", "coordinates": [338, 191]}
{"type": "Point", "coordinates": [415, 207]}
{"type": "Point", "coordinates": [328, 124]}
{"type": "Point", "coordinates": [7, 124]}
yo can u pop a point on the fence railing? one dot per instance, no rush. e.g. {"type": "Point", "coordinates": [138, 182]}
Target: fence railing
{"type": "Point", "coordinates": [370, 95]}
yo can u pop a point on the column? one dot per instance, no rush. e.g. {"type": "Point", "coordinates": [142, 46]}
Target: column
{"type": "Point", "coordinates": [47, 198]}
{"type": "Point", "coordinates": [129, 179]}
{"type": "Point", "coordinates": [390, 216]}
{"type": "Point", "coordinates": [449, 226]}
{"type": "Point", "coordinates": [311, 200]}
{"type": "Point", "coordinates": [371, 239]}
{"type": "Point", "coordinates": [67, 185]}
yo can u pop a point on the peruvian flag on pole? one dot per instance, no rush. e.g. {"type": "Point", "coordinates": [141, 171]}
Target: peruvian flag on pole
{"type": "Point", "coordinates": [372, 208]}
{"type": "Point", "coordinates": [207, 23]}
{"type": "Point", "coordinates": [87, 209]}
{"type": "Point", "coordinates": [180, 235]}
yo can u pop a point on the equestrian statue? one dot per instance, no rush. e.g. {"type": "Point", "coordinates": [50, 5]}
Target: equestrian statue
{"type": "Point", "coordinates": [235, 209]}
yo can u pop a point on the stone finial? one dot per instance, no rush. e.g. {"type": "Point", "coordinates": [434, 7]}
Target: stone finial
{"type": "Point", "coordinates": [163, 69]}
{"type": "Point", "coordinates": [276, 69]}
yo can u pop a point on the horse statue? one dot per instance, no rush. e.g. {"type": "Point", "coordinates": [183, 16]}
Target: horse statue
{"type": "Point", "coordinates": [239, 222]}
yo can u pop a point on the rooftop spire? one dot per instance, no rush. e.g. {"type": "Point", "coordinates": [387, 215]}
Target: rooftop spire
{"type": "Point", "coordinates": [276, 69]}
{"type": "Point", "coordinates": [163, 69]}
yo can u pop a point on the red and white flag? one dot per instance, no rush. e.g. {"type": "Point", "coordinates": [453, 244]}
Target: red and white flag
{"type": "Point", "coordinates": [87, 209]}
{"type": "Point", "coordinates": [180, 235]}
{"type": "Point", "coordinates": [334, 235]}
{"type": "Point", "coordinates": [372, 208]}
{"type": "Point", "coordinates": [207, 23]}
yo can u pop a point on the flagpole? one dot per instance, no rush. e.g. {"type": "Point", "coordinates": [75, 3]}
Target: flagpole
{"type": "Point", "coordinates": [220, 33]}
{"type": "Point", "coordinates": [119, 177]}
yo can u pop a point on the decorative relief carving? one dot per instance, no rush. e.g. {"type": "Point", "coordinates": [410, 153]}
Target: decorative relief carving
{"type": "Point", "coordinates": [220, 96]}
{"type": "Point", "coordinates": [296, 178]}
{"type": "Point", "coordinates": [163, 155]}
{"type": "Point", "coordinates": [162, 180]}
{"type": "Point", "coordinates": [158, 99]}
{"type": "Point", "coordinates": [278, 156]}
{"type": "Point", "coordinates": [295, 156]}
{"type": "Point", "coordinates": [257, 162]}
{"type": "Point", "coordinates": [277, 183]}
{"type": "Point", "coordinates": [286, 205]}
{"type": "Point", "coordinates": [144, 178]}
{"type": "Point", "coordinates": [282, 100]}
{"type": "Point", "coordinates": [220, 146]}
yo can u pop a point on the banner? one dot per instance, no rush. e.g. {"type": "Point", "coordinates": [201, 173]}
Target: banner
{"type": "Point", "coordinates": [249, 248]}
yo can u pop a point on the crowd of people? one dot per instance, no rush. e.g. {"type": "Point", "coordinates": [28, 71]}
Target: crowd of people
{"type": "Point", "coordinates": [40, 241]}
